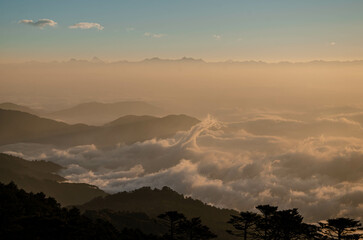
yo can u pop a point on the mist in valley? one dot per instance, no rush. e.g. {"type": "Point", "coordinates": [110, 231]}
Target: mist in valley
{"type": "Point", "coordinates": [288, 134]}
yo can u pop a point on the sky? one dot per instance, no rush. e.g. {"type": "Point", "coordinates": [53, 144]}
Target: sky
{"type": "Point", "coordinates": [210, 29]}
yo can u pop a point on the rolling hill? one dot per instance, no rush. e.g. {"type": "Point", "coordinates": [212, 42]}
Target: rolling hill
{"type": "Point", "coordinates": [95, 113]}
{"type": "Point", "coordinates": [17, 127]}
{"type": "Point", "coordinates": [16, 107]}
{"type": "Point", "coordinates": [40, 176]}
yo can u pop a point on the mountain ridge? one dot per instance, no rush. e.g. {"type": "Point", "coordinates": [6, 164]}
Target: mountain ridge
{"type": "Point", "coordinates": [18, 107]}
{"type": "Point", "coordinates": [16, 126]}
{"type": "Point", "coordinates": [41, 176]}
{"type": "Point", "coordinates": [98, 113]}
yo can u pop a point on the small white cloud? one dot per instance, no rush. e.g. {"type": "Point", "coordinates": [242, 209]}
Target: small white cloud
{"type": "Point", "coordinates": [86, 25]}
{"type": "Point", "coordinates": [217, 37]}
{"type": "Point", "coordinates": [130, 29]}
{"type": "Point", "coordinates": [41, 23]}
{"type": "Point", "coordinates": [332, 43]}
{"type": "Point", "coordinates": [154, 35]}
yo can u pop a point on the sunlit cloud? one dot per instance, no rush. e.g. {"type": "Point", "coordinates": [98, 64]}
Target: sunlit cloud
{"type": "Point", "coordinates": [86, 25]}
{"type": "Point", "coordinates": [332, 43]}
{"type": "Point", "coordinates": [41, 23]}
{"type": "Point", "coordinates": [154, 35]}
{"type": "Point", "coordinates": [217, 37]}
{"type": "Point", "coordinates": [229, 165]}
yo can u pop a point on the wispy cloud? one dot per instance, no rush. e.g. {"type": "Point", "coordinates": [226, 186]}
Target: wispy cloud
{"type": "Point", "coordinates": [154, 35]}
{"type": "Point", "coordinates": [332, 43]}
{"type": "Point", "coordinates": [41, 23]}
{"type": "Point", "coordinates": [130, 29]}
{"type": "Point", "coordinates": [217, 37]}
{"type": "Point", "coordinates": [86, 25]}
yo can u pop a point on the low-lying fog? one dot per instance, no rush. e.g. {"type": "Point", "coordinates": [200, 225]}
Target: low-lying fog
{"type": "Point", "coordinates": [289, 135]}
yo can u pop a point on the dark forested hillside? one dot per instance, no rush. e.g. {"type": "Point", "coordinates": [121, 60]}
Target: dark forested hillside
{"type": "Point", "coordinates": [40, 176]}
{"type": "Point", "coordinates": [33, 216]}
{"type": "Point", "coordinates": [129, 220]}
{"type": "Point", "coordinates": [155, 201]}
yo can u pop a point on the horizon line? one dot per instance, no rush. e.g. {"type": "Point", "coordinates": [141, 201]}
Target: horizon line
{"type": "Point", "coordinates": [97, 60]}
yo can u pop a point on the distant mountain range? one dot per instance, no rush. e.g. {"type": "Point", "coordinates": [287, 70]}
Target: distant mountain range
{"type": "Point", "coordinates": [190, 60]}
{"type": "Point", "coordinates": [40, 176]}
{"type": "Point", "coordinates": [18, 126]}
{"type": "Point", "coordinates": [181, 60]}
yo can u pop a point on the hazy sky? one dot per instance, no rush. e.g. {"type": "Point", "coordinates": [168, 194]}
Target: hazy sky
{"type": "Point", "coordinates": [209, 29]}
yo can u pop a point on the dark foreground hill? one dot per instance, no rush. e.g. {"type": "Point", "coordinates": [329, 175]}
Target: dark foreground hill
{"type": "Point", "coordinates": [153, 202]}
{"type": "Point", "coordinates": [40, 176]}
{"type": "Point", "coordinates": [129, 220]}
{"type": "Point", "coordinates": [33, 216]}
{"type": "Point", "coordinates": [95, 113]}
{"type": "Point", "coordinates": [18, 126]}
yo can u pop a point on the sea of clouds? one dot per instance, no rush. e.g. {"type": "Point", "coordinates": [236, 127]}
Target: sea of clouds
{"type": "Point", "coordinates": [309, 160]}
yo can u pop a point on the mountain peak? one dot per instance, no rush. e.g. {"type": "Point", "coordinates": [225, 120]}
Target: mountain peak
{"type": "Point", "coordinates": [96, 60]}
{"type": "Point", "coordinates": [183, 59]}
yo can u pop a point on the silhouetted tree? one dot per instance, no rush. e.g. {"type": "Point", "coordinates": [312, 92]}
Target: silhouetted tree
{"type": "Point", "coordinates": [288, 224]}
{"type": "Point", "coordinates": [194, 230]}
{"type": "Point", "coordinates": [244, 224]}
{"type": "Point", "coordinates": [355, 236]}
{"type": "Point", "coordinates": [341, 228]}
{"type": "Point", "coordinates": [311, 232]}
{"type": "Point", "coordinates": [172, 219]}
{"type": "Point", "coordinates": [265, 228]}
{"type": "Point", "coordinates": [272, 224]}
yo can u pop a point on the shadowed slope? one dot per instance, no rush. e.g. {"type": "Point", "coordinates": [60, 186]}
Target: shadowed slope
{"type": "Point", "coordinates": [40, 176]}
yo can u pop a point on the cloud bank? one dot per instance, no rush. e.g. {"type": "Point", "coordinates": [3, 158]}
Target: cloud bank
{"type": "Point", "coordinates": [86, 25]}
{"type": "Point", "coordinates": [318, 168]}
{"type": "Point", "coordinates": [41, 23]}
